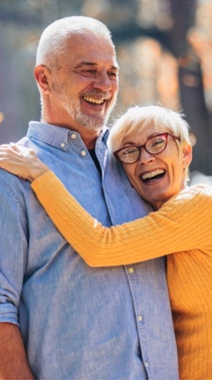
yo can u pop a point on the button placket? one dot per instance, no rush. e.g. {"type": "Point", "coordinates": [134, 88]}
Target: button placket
{"type": "Point", "coordinates": [140, 319]}
{"type": "Point", "coordinates": [131, 270]}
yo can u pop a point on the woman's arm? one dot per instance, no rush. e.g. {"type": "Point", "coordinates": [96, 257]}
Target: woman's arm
{"type": "Point", "coordinates": [181, 224]}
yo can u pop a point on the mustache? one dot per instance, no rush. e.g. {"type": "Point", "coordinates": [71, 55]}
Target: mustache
{"type": "Point", "coordinates": [97, 94]}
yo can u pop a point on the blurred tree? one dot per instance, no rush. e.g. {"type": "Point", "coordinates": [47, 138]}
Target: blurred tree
{"type": "Point", "coordinates": [191, 82]}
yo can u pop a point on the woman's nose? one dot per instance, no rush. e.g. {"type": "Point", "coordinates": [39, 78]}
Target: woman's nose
{"type": "Point", "coordinates": [145, 157]}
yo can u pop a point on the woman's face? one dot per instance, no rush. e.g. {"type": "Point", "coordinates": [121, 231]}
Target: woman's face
{"type": "Point", "coordinates": [158, 177]}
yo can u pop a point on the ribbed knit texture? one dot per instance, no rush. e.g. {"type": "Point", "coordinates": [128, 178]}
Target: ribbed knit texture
{"type": "Point", "coordinates": [183, 228]}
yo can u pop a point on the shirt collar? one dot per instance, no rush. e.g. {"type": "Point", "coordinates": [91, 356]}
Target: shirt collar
{"type": "Point", "coordinates": [55, 136]}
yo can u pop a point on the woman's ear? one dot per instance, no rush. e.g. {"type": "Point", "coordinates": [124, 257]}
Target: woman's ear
{"type": "Point", "coordinates": [42, 77]}
{"type": "Point", "coordinates": [187, 154]}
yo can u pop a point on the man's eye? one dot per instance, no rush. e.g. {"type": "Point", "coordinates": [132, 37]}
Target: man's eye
{"type": "Point", "coordinates": [88, 72]}
{"type": "Point", "coordinates": [112, 74]}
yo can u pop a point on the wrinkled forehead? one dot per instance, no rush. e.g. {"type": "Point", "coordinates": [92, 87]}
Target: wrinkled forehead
{"type": "Point", "coordinates": [88, 47]}
{"type": "Point", "coordinates": [89, 39]}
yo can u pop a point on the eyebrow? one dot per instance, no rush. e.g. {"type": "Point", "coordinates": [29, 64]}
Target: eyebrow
{"type": "Point", "coordinates": [131, 143]}
{"type": "Point", "coordinates": [92, 64]}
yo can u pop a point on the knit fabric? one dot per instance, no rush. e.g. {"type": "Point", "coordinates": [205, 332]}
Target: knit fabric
{"type": "Point", "coordinates": [181, 229]}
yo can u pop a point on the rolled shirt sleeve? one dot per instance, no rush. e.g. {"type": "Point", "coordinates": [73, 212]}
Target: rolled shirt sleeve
{"type": "Point", "coordinates": [13, 243]}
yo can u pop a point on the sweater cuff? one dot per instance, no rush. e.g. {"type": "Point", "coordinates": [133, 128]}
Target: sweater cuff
{"type": "Point", "coordinates": [43, 182]}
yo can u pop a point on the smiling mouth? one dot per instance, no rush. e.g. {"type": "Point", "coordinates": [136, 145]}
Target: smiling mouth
{"type": "Point", "coordinates": [152, 176]}
{"type": "Point", "coordinates": [94, 101]}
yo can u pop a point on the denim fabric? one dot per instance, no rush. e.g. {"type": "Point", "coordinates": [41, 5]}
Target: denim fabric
{"type": "Point", "coordinates": [78, 322]}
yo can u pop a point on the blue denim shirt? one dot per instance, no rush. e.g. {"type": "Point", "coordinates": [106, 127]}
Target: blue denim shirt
{"type": "Point", "coordinates": [78, 322]}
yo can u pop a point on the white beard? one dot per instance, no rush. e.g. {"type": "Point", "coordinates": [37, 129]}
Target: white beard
{"type": "Point", "coordinates": [72, 107]}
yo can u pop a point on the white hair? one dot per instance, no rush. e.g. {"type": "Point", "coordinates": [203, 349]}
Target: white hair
{"type": "Point", "coordinates": [138, 118]}
{"type": "Point", "coordinates": [52, 40]}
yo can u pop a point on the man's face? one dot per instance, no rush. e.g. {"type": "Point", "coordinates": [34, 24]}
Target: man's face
{"type": "Point", "coordinates": [86, 84]}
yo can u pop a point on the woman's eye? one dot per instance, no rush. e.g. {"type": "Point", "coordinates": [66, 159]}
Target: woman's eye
{"type": "Point", "coordinates": [157, 142]}
{"type": "Point", "coordinates": [130, 151]}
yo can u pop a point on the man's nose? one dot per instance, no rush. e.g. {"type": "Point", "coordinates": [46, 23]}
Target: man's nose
{"type": "Point", "coordinates": [102, 81]}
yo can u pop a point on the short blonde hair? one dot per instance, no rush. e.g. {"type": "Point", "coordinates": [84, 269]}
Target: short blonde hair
{"type": "Point", "coordinates": [137, 118]}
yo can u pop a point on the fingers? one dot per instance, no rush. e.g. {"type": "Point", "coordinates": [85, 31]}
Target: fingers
{"type": "Point", "coordinates": [14, 157]}
{"type": "Point", "coordinates": [12, 149]}
{"type": "Point", "coordinates": [21, 161]}
{"type": "Point", "coordinates": [7, 149]}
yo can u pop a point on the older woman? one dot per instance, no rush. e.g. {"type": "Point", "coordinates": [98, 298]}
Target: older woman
{"type": "Point", "coordinates": [152, 143]}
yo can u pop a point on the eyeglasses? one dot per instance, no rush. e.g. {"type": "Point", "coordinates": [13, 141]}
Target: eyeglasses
{"type": "Point", "coordinates": [154, 145]}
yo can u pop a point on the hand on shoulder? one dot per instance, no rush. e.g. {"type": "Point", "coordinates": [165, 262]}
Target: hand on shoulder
{"type": "Point", "coordinates": [21, 161]}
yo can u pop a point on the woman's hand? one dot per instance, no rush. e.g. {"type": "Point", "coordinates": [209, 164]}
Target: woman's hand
{"type": "Point", "coordinates": [21, 161]}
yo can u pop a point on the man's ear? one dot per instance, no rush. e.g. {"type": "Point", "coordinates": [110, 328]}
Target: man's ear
{"type": "Point", "coordinates": [187, 154]}
{"type": "Point", "coordinates": [42, 77]}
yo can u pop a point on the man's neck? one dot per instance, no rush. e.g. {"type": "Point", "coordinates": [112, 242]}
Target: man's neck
{"type": "Point", "coordinates": [88, 136]}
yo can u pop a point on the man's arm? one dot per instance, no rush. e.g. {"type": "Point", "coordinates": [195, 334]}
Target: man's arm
{"type": "Point", "coordinates": [13, 363]}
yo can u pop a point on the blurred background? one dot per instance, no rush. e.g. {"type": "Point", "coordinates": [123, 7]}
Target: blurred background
{"type": "Point", "coordinates": [164, 50]}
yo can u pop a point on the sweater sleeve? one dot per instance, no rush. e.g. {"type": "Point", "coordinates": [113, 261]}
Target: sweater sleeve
{"type": "Point", "coordinates": [183, 223]}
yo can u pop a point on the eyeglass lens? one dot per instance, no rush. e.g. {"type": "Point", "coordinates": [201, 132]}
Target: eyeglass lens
{"type": "Point", "coordinates": [154, 145]}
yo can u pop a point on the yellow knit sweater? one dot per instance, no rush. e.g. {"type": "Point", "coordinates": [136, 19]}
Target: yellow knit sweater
{"type": "Point", "coordinates": [181, 229]}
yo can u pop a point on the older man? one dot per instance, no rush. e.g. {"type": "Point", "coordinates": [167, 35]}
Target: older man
{"type": "Point", "coordinates": [59, 318]}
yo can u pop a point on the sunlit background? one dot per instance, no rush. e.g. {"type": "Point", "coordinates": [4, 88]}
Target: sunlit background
{"type": "Point", "coordinates": [164, 50]}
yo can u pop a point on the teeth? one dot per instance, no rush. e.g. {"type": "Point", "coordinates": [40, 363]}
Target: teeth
{"type": "Point", "coordinates": [95, 101]}
{"type": "Point", "coordinates": [154, 173]}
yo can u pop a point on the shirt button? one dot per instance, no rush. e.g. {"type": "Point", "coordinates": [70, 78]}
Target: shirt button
{"type": "Point", "coordinates": [131, 270]}
{"type": "Point", "coordinates": [73, 136]}
{"type": "Point", "coordinates": [62, 145]}
{"type": "Point", "coordinates": [146, 364]}
{"type": "Point", "coordinates": [83, 153]}
{"type": "Point", "coordinates": [140, 318]}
